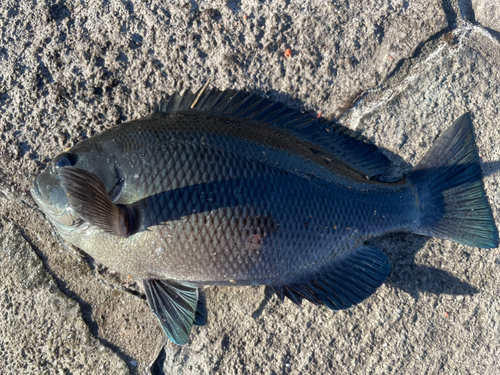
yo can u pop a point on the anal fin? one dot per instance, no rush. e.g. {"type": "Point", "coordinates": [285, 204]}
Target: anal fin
{"type": "Point", "coordinates": [175, 305]}
{"type": "Point", "coordinates": [344, 283]}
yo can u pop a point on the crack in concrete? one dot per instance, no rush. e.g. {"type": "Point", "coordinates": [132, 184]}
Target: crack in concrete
{"type": "Point", "coordinates": [85, 307]}
{"type": "Point", "coordinates": [419, 53]}
{"type": "Point", "coordinates": [355, 115]}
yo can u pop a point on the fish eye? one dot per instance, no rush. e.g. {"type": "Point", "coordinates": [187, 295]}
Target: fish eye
{"type": "Point", "coordinates": [66, 159]}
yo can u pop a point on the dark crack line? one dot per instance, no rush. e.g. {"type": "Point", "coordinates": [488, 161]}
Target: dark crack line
{"type": "Point", "coordinates": [85, 307]}
{"type": "Point", "coordinates": [420, 49]}
{"type": "Point", "coordinates": [156, 367]}
{"type": "Point", "coordinates": [451, 15]}
{"type": "Point", "coordinates": [423, 47]}
{"type": "Point", "coordinates": [268, 295]}
{"type": "Point", "coordinates": [471, 16]}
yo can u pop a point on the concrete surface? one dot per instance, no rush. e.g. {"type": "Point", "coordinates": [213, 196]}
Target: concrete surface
{"type": "Point", "coordinates": [42, 330]}
{"type": "Point", "coordinates": [398, 71]}
{"type": "Point", "coordinates": [487, 13]}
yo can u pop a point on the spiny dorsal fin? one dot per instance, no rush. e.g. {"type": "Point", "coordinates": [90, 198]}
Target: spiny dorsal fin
{"type": "Point", "coordinates": [341, 142]}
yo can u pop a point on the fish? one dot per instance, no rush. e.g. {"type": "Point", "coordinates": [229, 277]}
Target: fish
{"type": "Point", "coordinates": [229, 188]}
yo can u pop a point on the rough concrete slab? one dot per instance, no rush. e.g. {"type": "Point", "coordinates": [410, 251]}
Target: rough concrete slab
{"type": "Point", "coordinates": [453, 318]}
{"type": "Point", "coordinates": [487, 13]}
{"type": "Point", "coordinates": [70, 70]}
{"type": "Point", "coordinates": [41, 329]}
{"type": "Point", "coordinates": [109, 304]}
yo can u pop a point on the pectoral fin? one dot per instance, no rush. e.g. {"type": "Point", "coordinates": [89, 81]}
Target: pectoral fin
{"type": "Point", "coordinates": [175, 305]}
{"type": "Point", "coordinates": [345, 282]}
{"type": "Point", "coordinates": [200, 318]}
{"type": "Point", "coordinates": [88, 197]}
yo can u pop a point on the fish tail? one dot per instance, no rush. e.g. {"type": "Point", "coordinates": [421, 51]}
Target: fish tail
{"type": "Point", "coordinates": [452, 201]}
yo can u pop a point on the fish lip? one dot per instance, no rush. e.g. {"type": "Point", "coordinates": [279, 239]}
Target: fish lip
{"type": "Point", "coordinates": [35, 191]}
{"type": "Point", "coordinates": [37, 196]}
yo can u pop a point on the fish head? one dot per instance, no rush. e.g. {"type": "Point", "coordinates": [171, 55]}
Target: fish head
{"type": "Point", "coordinates": [50, 196]}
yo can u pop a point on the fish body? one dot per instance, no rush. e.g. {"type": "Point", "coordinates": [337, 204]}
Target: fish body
{"type": "Point", "coordinates": [242, 191]}
{"type": "Point", "coordinates": [216, 208]}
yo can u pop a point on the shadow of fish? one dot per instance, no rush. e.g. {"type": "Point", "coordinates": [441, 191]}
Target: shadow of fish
{"type": "Point", "coordinates": [228, 188]}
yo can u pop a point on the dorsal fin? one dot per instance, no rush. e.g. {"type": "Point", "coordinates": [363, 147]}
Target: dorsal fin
{"type": "Point", "coordinates": [341, 142]}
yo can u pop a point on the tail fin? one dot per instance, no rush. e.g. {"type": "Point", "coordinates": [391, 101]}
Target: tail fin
{"type": "Point", "coordinates": [453, 204]}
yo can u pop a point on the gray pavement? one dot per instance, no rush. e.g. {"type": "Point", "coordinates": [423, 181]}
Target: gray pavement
{"type": "Point", "coordinates": [398, 71]}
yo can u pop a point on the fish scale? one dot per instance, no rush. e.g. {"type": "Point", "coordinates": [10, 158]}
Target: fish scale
{"type": "Point", "coordinates": [227, 188]}
{"type": "Point", "coordinates": [286, 189]}
{"type": "Point", "coordinates": [162, 210]}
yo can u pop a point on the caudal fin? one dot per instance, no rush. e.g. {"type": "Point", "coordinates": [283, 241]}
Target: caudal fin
{"type": "Point", "coordinates": [453, 203]}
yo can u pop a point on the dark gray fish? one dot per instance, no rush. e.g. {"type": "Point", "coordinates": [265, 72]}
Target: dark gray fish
{"type": "Point", "coordinates": [233, 189]}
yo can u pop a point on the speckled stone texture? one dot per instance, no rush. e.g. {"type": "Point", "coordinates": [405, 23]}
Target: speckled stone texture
{"type": "Point", "coordinates": [391, 69]}
{"type": "Point", "coordinates": [487, 13]}
{"type": "Point", "coordinates": [41, 330]}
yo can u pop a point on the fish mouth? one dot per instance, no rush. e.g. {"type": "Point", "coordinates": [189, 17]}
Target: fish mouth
{"type": "Point", "coordinates": [35, 192]}
{"type": "Point", "coordinates": [56, 213]}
